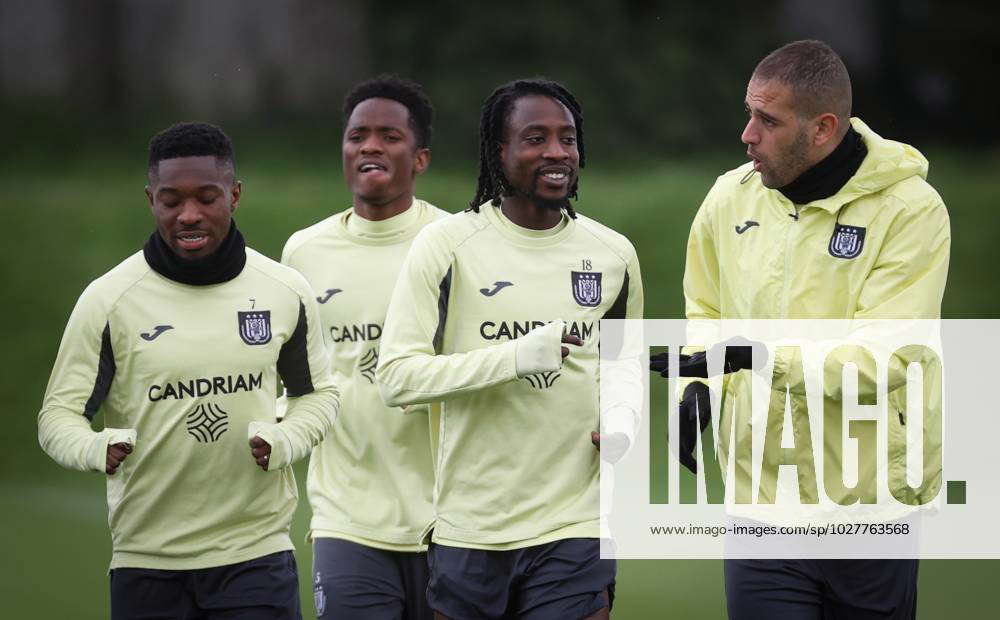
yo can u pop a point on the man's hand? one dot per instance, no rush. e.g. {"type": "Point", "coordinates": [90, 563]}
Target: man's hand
{"type": "Point", "coordinates": [615, 445]}
{"type": "Point", "coordinates": [261, 451]}
{"type": "Point", "coordinates": [740, 354]}
{"type": "Point", "coordinates": [117, 452]}
{"type": "Point", "coordinates": [690, 365]}
{"type": "Point", "coordinates": [537, 350]}
{"type": "Point", "coordinates": [567, 339]}
{"type": "Point", "coordinates": [695, 414]}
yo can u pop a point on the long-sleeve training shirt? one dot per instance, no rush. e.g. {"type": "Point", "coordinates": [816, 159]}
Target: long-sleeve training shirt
{"type": "Point", "coordinates": [515, 464]}
{"type": "Point", "coordinates": [370, 481]}
{"type": "Point", "coordinates": [190, 368]}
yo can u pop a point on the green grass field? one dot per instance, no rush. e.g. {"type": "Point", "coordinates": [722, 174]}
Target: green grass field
{"type": "Point", "coordinates": [66, 224]}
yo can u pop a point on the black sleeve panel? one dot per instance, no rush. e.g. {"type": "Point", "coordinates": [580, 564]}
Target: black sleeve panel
{"type": "Point", "coordinates": [293, 361]}
{"type": "Point", "coordinates": [610, 345]}
{"type": "Point", "coordinates": [444, 291]}
{"type": "Point", "coordinates": [617, 309]}
{"type": "Point", "coordinates": [105, 373]}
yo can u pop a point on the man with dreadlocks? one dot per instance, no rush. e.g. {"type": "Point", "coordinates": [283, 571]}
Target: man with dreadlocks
{"type": "Point", "coordinates": [485, 300]}
{"type": "Point", "coordinates": [370, 482]}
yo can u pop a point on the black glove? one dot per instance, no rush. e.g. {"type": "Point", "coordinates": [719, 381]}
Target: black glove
{"type": "Point", "coordinates": [693, 365]}
{"type": "Point", "coordinates": [695, 414]}
{"type": "Point", "coordinates": [740, 353]}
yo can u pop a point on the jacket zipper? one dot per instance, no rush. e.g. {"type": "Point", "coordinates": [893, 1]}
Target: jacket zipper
{"type": "Point", "coordinates": [786, 278]}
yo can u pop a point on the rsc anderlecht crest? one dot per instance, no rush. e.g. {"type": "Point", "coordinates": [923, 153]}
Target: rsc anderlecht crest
{"type": "Point", "coordinates": [847, 241]}
{"type": "Point", "coordinates": [255, 326]}
{"type": "Point", "coordinates": [587, 288]}
{"type": "Point", "coordinates": [319, 597]}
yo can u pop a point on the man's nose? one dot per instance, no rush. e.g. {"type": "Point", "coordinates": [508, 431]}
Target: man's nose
{"type": "Point", "coordinates": [555, 149]}
{"type": "Point", "coordinates": [750, 135]}
{"type": "Point", "coordinates": [190, 213]}
{"type": "Point", "coordinates": [371, 144]}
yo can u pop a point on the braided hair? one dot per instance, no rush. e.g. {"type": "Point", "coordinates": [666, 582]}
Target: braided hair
{"type": "Point", "coordinates": [492, 184]}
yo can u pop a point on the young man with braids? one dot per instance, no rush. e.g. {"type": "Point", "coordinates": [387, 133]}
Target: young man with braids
{"type": "Point", "coordinates": [181, 346]}
{"type": "Point", "coordinates": [370, 482]}
{"type": "Point", "coordinates": [485, 300]}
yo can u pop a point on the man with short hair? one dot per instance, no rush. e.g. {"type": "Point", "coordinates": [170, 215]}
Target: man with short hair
{"type": "Point", "coordinates": [484, 302]}
{"type": "Point", "coordinates": [840, 224]}
{"type": "Point", "coordinates": [181, 346]}
{"type": "Point", "coordinates": [370, 482]}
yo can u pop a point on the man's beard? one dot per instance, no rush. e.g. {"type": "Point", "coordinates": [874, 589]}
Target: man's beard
{"type": "Point", "coordinates": [543, 203]}
{"type": "Point", "coordinates": [795, 161]}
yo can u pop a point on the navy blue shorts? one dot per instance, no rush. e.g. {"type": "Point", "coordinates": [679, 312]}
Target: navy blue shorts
{"type": "Point", "coordinates": [821, 589]}
{"type": "Point", "coordinates": [562, 579]}
{"type": "Point", "coordinates": [355, 581]}
{"type": "Point", "coordinates": [265, 588]}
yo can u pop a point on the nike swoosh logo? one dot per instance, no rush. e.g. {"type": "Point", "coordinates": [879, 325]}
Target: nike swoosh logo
{"type": "Point", "coordinates": [153, 335]}
{"type": "Point", "coordinates": [330, 292]}
{"type": "Point", "coordinates": [746, 226]}
{"type": "Point", "coordinates": [497, 287]}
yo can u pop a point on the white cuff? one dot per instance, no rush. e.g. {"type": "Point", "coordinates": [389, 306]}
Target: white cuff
{"type": "Point", "coordinates": [619, 419]}
{"type": "Point", "coordinates": [275, 437]}
{"type": "Point", "coordinates": [539, 350]}
{"type": "Point", "coordinates": [106, 437]}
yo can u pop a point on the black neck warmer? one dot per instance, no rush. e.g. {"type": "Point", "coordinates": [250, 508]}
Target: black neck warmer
{"type": "Point", "coordinates": [221, 266]}
{"type": "Point", "coordinates": [827, 177]}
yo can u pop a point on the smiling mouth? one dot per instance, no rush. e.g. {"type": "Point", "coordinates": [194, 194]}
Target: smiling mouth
{"type": "Point", "coordinates": [555, 175]}
{"type": "Point", "coordinates": [192, 240]}
{"type": "Point", "coordinates": [371, 167]}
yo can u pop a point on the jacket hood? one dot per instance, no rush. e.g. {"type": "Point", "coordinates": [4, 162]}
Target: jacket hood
{"type": "Point", "coordinates": [888, 162]}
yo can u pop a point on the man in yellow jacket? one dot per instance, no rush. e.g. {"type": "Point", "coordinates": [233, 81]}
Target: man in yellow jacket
{"type": "Point", "coordinates": [828, 221]}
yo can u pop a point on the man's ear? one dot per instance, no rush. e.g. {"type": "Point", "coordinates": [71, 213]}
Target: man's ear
{"type": "Point", "coordinates": [421, 160]}
{"type": "Point", "coordinates": [149, 196]}
{"type": "Point", "coordinates": [827, 127]}
{"type": "Point", "coordinates": [237, 190]}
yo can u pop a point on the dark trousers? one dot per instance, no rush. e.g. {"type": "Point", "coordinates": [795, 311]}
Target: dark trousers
{"type": "Point", "coordinates": [264, 588]}
{"type": "Point", "coordinates": [357, 582]}
{"type": "Point", "coordinates": [821, 589]}
{"type": "Point", "coordinates": [561, 579]}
